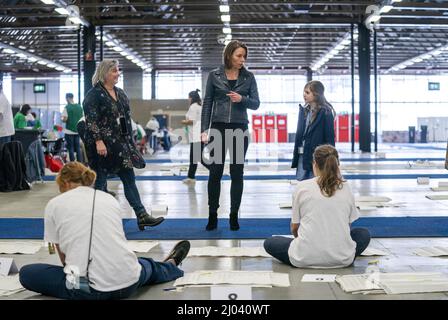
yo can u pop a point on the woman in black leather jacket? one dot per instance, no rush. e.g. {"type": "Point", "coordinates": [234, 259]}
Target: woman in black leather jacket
{"type": "Point", "coordinates": [231, 90]}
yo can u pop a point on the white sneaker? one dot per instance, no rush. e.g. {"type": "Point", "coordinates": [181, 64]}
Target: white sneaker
{"type": "Point", "coordinates": [190, 182]}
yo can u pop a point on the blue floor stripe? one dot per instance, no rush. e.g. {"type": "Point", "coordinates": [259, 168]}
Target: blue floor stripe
{"type": "Point", "coordinates": [257, 228]}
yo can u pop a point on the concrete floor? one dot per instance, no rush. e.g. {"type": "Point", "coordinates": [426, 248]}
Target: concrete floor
{"type": "Point", "coordinates": [261, 199]}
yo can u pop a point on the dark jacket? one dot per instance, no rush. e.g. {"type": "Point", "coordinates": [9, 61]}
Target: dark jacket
{"type": "Point", "coordinates": [102, 114]}
{"type": "Point", "coordinates": [321, 131]}
{"type": "Point", "coordinates": [12, 167]}
{"type": "Point", "coordinates": [223, 109]}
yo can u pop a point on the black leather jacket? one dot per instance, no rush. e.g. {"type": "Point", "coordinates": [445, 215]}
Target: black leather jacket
{"type": "Point", "coordinates": [223, 109]}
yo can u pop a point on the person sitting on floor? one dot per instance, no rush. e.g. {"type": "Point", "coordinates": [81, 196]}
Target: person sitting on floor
{"type": "Point", "coordinates": [89, 237]}
{"type": "Point", "coordinates": [322, 211]}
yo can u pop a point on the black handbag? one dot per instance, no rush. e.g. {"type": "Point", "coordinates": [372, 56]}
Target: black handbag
{"type": "Point", "coordinates": [137, 158]}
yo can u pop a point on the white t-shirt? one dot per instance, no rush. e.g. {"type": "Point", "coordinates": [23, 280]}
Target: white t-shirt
{"type": "Point", "coordinates": [6, 119]}
{"type": "Point", "coordinates": [194, 114]}
{"type": "Point", "coordinates": [324, 239]}
{"type": "Point", "coordinates": [67, 223]}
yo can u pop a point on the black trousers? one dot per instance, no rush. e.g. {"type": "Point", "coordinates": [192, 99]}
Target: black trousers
{"type": "Point", "coordinates": [225, 137]}
{"type": "Point", "coordinates": [196, 149]}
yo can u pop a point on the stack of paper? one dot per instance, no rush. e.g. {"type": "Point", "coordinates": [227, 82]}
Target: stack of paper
{"type": "Point", "coordinates": [394, 283]}
{"type": "Point", "coordinates": [142, 246]}
{"type": "Point", "coordinates": [432, 251]}
{"type": "Point", "coordinates": [10, 285]}
{"type": "Point", "coordinates": [250, 278]}
{"type": "Point", "coordinates": [228, 252]}
{"type": "Point", "coordinates": [374, 252]}
{"type": "Point", "coordinates": [13, 247]}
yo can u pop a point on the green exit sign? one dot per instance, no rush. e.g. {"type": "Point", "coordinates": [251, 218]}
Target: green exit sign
{"type": "Point", "coordinates": [433, 86]}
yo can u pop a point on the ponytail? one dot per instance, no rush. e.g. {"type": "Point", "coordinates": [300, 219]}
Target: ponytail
{"type": "Point", "coordinates": [76, 172]}
{"type": "Point", "coordinates": [330, 179]}
{"type": "Point", "coordinates": [195, 97]}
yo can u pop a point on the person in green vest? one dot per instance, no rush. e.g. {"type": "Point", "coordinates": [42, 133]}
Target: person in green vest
{"type": "Point", "coordinates": [20, 117]}
{"type": "Point", "coordinates": [71, 115]}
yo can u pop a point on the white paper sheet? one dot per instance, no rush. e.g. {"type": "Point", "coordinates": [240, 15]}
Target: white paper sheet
{"type": "Point", "coordinates": [374, 252]}
{"type": "Point", "coordinates": [372, 199]}
{"type": "Point", "coordinates": [437, 196]}
{"type": "Point", "coordinates": [437, 189]}
{"type": "Point", "coordinates": [432, 251]}
{"type": "Point", "coordinates": [319, 277]}
{"type": "Point", "coordinates": [15, 247]}
{"type": "Point", "coordinates": [285, 205]}
{"type": "Point", "coordinates": [142, 246]}
{"type": "Point", "coordinates": [228, 252]}
{"type": "Point", "coordinates": [394, 283]}
{"type": "Point", "coordinates": [252, 278]}
{"type": "Point", "coordinates": [10, 285]}
{"type": "Point", "coordinates": [159, 210]}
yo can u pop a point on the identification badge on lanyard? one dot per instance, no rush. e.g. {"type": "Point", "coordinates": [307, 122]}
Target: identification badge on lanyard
{"type": "Point", "coordinates": [300, 150]}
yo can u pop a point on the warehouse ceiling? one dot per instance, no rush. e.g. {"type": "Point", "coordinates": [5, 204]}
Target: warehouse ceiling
{"type": "Point", "coordinates": [188, 34]}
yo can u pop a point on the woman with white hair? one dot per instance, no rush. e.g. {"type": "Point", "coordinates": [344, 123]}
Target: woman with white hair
{"type": "Point", "coordinates": [110, 145]}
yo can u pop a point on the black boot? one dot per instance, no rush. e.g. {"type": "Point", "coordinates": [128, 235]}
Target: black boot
{"type": "Point", "coordinates": [234, 222]}
{"type": "Point", "coordinates": [145, 220]}
{"type": "Point", "coordinates": [212, 221]}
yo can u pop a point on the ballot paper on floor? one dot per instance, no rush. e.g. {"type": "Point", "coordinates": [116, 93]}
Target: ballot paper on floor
{"type": "Point", "coordinates": [142, 246]}
{"type": "Point", "coordinates": [10, 285]}
{"type": "Point", "coordinates": [432, 251]}
{"type": "Point", "coordinates": [374, 252]}
{"type": "Point", "coordinates": [372, 199]}
{"type": "Point", "coordinates": [228, 252]}
{"type": "Point", "coordinates": [159, 210]}
{"type": "Point", "coordinates": [394, 283]}
{"type": "Point", "coordinates": [437, 196]}
{"type": "Point", "coordinates": [20, 247]}
{"type": "Point", "coordinates": [250, 278]}
{"type": "Point", "coordinates": [439, 188]}
{"type": "Point", "coordinates": [285, 205]}
{"type": "Point", "coordinates": [319, 277]}
{"type": "Point", "coordinates": [7, 266]}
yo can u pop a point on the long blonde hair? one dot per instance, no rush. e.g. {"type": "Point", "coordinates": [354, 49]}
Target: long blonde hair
{"type": "Point", "coordinates": [327, 160]}
{"type": "Point", "coordinates": [76, 172]}
{"type": "Point", "coordinates": [103, 68]}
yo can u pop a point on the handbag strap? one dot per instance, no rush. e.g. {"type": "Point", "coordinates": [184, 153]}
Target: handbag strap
{"type": "Point", "coordinates": [90, 240]}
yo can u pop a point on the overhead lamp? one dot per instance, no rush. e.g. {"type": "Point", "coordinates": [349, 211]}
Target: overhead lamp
{"type": "Point", "coordinates": [123, 53]}
{"type": "Point", "coordinates": [135, 61]}
{"type": "Point", "coordinates": [393, 1]}
{"type": "Point", "coordinates": [229, 37]}
{"type": "Point", "coordinates": [42, 62]}
{"type": "Point", "coordinates": [60, 68]}
{"type": "Point", "coordinates": [117, 48]}
{"type": "Point", "coordinates": [51, 65]}
{"type": "Point", "coordinates": [62, 11]}
{"type": "Point", "coordinates": [67, 70]}
{"type": "Point", "coordinates": [129, 57]}
{"type": "Point", "coordinates": [48, 1]}
{"type": "Point", "coordinates": [32, 59]}
{"type": "Point", "coordinates": [225, 18]}
{"type": "Point", "coordinates": [8, 51]}
{"type": "Point", "coordinates": [224, 8]}
{"type": "Point", "coordinates": [226, 30]}
{"type": "Point", "coordinates": [110, 44]}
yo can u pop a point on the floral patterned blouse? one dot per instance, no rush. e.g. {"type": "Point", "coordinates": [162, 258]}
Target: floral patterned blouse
{"type": "Point", "coordinates": [102, 115]}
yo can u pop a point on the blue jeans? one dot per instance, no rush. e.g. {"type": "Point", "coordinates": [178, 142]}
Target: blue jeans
{"type": "Point", "coordinates": [49, 280]}
{"type": "Point", "coordinates": [278, 246]}
{"type": "Point", "coordinates": [131, 193]}
{"type": "Point", "coordinates": [4, 140]}
{"type": "Point", "coordinates": [73, 146]}
{"type": "Point", "coordinates": [302, 174]}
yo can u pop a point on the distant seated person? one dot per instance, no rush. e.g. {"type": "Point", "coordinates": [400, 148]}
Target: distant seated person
{"type": "Point", "coordinates": [97, 263]}
{"type": "Point", "coordinates": [32, 121]}
{"type": "Point", "coordinates": [322, 212]}
{"type": "Point", "coordinates": [20, 120]}
{"type": "Point", "coordinates": [169, 139]}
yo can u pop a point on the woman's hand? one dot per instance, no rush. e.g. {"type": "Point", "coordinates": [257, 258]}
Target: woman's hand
{"type": "Point", "coordinates": [101, 148]}
{"type": "Point", "coordinates": [204, 137]}
{"type": "Point", "coordinates": [234, 97]}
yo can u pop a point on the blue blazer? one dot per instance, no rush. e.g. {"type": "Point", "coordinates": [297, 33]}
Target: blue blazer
{"type": "Point", "coordinates": [321, 131]}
